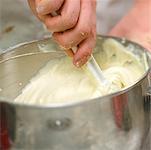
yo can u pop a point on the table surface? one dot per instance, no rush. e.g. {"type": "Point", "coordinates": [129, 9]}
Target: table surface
{"type": "Point", "coordinates": [18, 25]}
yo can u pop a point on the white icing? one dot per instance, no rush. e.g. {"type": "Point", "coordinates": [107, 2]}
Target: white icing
{"type": "Point", "coordinates": [59, 81]}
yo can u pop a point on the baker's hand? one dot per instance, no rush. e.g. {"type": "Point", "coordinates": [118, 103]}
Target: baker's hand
{"type": "Point", "coordinates": [75, 26]}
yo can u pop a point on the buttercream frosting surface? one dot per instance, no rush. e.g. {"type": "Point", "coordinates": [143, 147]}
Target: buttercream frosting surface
{"type": "Point", "coordinates": [60, 81]}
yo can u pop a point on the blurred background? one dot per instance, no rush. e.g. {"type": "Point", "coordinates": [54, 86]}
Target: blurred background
{"type": "Point", "coordinates": [18, 24]}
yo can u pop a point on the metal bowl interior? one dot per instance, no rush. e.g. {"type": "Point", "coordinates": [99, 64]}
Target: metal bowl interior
{"type": "Point", "coordinates": [118, 121]}
{"type": "Point", "coordinates": [20, 63]}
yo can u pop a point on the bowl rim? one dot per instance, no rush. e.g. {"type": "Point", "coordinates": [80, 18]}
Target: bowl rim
{"type": "Point", "coordinates": [80, 102]}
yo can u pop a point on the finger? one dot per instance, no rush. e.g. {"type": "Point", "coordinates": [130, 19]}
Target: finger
{"type": "Point", "coordinates": [84, 51]}
{"type": "Point", "coordinates": [32, 5]}
{"type": "Point", "coordinates": [45, 7]}
{"type": "Point", "coordinates": [67, 19]}
{"type": "Point", "coordinates": [71, 38]}
{"type": "Point", "coordinates": [82, 30]}
{"type": "Point", "coordinates": [86, 47]}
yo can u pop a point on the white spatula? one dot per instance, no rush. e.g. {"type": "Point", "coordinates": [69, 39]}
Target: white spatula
{"type": "Point", "coordinates": [92, 66]}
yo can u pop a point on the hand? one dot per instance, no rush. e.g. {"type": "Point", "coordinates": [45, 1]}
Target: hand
{"type": "Point", "coordinates": [136, 25]}
{"type": "Point", "coordinates": [75, 26]}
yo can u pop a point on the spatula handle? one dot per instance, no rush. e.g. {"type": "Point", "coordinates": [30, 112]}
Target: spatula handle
{"type": "Point", "coordinates": [69, 52]}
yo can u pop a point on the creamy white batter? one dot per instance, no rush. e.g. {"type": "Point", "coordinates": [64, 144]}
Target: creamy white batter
{"type": "Point", "coordinates": [59, 81]}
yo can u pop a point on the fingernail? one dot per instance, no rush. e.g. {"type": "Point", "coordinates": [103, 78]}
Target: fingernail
{"type": "Point", "coordinates": [40, 9]}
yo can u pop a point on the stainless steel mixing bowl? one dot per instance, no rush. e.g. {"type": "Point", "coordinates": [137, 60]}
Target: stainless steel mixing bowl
{"type": "Point", "coordinates": [118, 121]}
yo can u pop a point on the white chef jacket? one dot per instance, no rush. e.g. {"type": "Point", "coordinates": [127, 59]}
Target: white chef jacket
{"type": "Point", "coordinates": [109, 12]}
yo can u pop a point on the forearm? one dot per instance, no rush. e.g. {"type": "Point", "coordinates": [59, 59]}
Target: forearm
{"type": "Point", "coordinates": [136, 25]}
{"type": "Point", "coordinates": [141, 17]}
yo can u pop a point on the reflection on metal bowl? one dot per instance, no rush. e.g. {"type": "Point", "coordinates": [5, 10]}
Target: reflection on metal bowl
{"type": "Point", "coordinates": [119, 121]}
